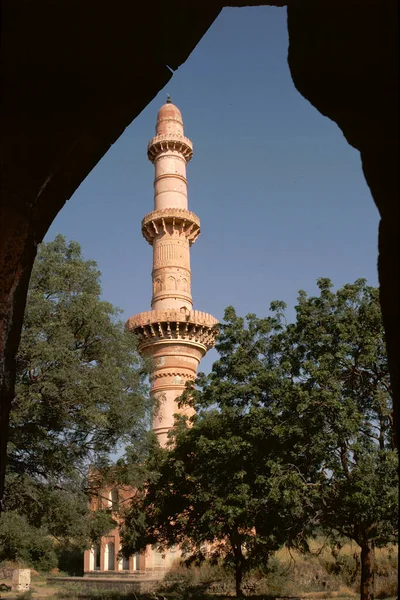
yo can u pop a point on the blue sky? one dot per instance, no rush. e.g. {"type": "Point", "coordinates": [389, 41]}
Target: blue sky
{"type": "Point", "coordinates": [280, 194]}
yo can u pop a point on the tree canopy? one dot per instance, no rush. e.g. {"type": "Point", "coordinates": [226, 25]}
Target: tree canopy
{"type": "Point", "coordinates": [292, 433]}
{"type": "Point", "coordinates": [81, 392]}
{"type": "Point", "coordinates": [336, 353]}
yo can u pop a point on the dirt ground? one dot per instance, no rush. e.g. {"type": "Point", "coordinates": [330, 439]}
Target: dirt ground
{"type": "Point", "coordinates": [39, 589]}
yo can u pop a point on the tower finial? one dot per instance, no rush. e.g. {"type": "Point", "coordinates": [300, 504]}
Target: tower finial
{"type": "Point", "coordinates": [168, 99]}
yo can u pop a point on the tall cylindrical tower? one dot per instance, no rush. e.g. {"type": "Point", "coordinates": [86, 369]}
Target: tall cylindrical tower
{"type": "Point", "coordinates": [174, 335]}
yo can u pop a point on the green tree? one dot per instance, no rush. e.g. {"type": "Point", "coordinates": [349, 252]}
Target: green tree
{"type": "Point", "coordinates": [229, 486]}
{"type": "Point", "coordinates": [292, 432]}
{"type": "Point", "coordinates": [21, 542]}
{"type": "Point", "coordinates": [81, 393]}
{"type": "Point", "coordinates": [335, 353]}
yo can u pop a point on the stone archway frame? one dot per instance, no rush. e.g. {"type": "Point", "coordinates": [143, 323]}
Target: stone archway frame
{"type": "Point", "coordinates": [342, 59]}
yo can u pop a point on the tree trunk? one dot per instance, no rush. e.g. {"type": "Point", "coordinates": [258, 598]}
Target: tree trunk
{"type": "Point", "coordinates": [237, 552]}
{"type": "Point", "coordinates": [238, 579]}
{"type": "Point", "coordinates": [367, 571]}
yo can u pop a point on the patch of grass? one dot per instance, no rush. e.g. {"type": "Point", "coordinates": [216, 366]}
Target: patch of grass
{"type": "Point", "coordinates": [106, 595]}
{"type": "Point", "coordinates": [25, 595]}
{"type": "Point", "coordinates": [318, 575]}
{"type": "Point", "coordinates": [93, 594]}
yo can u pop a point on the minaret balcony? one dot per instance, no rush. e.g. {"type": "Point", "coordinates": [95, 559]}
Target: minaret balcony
{"type": "Point", "coordinates": [170, 142]}
{"type": "Point", "coordinates": [171, 221]}
{"type": "Point", "coordinates": [168, 325]}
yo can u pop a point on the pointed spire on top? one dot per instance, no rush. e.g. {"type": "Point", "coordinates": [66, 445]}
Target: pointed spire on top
{"type": "Point", "coordinates": [168, 99]}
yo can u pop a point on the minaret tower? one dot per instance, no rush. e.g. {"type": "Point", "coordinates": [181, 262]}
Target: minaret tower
{"type": "Point", "coordinates": [174, 335]}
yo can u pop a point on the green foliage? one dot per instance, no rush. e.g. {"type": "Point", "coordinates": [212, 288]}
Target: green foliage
{"type": "Point", "coordinates": [228, 487]}
{"type": "Point", "coordinates": [336, 352]}
{"type": "Point", "coordinates": [100, 523]}
{"type": "Point", "coordinates": [58, 505]}
{"type": "Point", "coordinates": [335, 356]}
{"type": "Point", "coordinates": [70, 559]}
{"type": "Point", "coordinates": [80, 381]}
{"type": "Point", "coordinates": [292, 434]}
{"type": "Point", "coordinates": [81, 393]}
{"type": "Point", "coordinates": [25, 595]}
{"type": "Point", "coordinates": [21, 542]}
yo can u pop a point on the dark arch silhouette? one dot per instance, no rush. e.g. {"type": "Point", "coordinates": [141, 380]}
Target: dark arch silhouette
{"type": "Point", "coordinates": [75, 74]}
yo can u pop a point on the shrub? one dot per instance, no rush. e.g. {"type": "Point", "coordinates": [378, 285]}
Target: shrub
{"type": "Point", "coordinates": [25, 595]}
{"type": "Point", "coordinates": [386, 566]}
{"type": "Point", "coordinates": [70, 560]}
{"type": "Point", "coordinates": [25, 544]}
{"type": "Point", "coordinates": [345, 566]}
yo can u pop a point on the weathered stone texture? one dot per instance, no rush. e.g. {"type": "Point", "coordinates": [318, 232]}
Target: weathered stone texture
{"type": "Point", "coordinates": [21, 580]}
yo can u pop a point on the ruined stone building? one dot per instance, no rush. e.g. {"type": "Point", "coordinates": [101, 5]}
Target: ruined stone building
{"type": "Point", "coordinates": [172, 334]}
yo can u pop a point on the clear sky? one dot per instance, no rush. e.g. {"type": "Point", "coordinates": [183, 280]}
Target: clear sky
{"type": "Point", "coordinates": [280, 194]}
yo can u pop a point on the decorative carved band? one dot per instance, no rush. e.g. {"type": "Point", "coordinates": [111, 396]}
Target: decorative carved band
{"type": "Point", "coordinates": [167, 157]}
{"type": "Point", "coordinates": [171, 250]}
{"type": "Point", "coordinates": [172, 374]}
{"type": "Point", "coordinates": [172, 212]}
{"type": "Point", "coordinates": [187, 329]}
{"type": "Point", "coordinates": [170, 176]}
{"type": "Point", "coordinates": [170, 283]}
{"type": "Point", "coordinates": [170, 314]}
{"type": "Point", "coordinates": [170, 220]}
{"type": "Point", "coordinates": [167, 142]}
{"type": "Point", "coordinates": [170, 118]}
{"type": "Point", "coordinates": [189, 333]}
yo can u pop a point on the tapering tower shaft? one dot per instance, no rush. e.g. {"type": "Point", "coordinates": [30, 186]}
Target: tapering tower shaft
{"type": "Point", "coordinates": [174, 335]}
{"type": "Point", "coordinates": [170, 184]}
{"type": "Point", "coordinates": [171, 228]}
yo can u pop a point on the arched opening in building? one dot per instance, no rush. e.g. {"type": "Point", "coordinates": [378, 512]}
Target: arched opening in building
{"type": "Point", "coordinates": [95, 558]}
{"type": "Point", "coordinates": [158, 559]}
{"type": "Point", "coordinates": [109, 557]}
